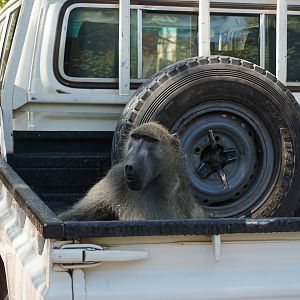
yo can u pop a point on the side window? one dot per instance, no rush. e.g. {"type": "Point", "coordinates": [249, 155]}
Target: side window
{"type": "Point", "coordinates": [293, 51]}
{"type": "Point", "coordinates": [167, 38]}
{"type": "Point", "coordinates": [91, 46]}
{"type": "Point", "coordinates": [270, 49]}
{"type": "Point", "coordinates": [89, 50]}
{"type": "Point", "coordinates": [12, 22]}
{"type": "Point", "coordinates": [239, 36]}
{"type": "Point", "coordinates": [1, 30]}
{"type": "Point", "coordinates": [236, 35]}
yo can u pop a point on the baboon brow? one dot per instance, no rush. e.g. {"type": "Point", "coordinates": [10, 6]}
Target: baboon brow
{"type": "Point", "coordinates": [147, 138]}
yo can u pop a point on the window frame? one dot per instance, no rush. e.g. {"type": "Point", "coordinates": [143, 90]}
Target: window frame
{"type": "Point", "coordinates": [140, 78]}
{"type": "Point", "coordinates": [4, 36]}
{"type": "Point", "coordinates": [62, 45]}
{"type": "Point", "coordinates": [247, 13]}
{"type": "Point", "coordinates": [293, 85]}
{"type": "Point", "coordinates": [100, 83]}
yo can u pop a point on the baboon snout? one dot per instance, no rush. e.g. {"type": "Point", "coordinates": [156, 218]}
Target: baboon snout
{"type": "Point", "coordinates": [129, 171]}
{"type": "Point", "coordinates": [132, 178]}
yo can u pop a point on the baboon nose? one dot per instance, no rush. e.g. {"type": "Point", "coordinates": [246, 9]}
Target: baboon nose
{"type": "Point", "coordinates": [128, 170]}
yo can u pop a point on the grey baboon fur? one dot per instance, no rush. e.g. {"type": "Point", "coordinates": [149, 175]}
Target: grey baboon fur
{"type": "Point", "coordinates": [150, 184]}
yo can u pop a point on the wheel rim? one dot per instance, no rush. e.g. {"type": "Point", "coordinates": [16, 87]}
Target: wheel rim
{"type": "Point", "coordinates": [229, 157]}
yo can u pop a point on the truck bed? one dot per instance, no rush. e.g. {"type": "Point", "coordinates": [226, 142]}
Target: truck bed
{"type": "Point", "coordinates": [60, 167]}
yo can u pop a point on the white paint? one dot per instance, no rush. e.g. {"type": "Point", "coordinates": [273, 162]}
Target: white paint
{"type": "Point", "coordinates": [74, 256]}
{"type": "Point", "coordinates": [124, 47]}
{"type": "Point", "coordinates": [27, 258]}
{"type": "Point", "coordinates": [204, 28]}
{"type": "Point", "coordinates": [79, 290]}
{"type": "Point", "coordinates": [216, 243]}
{"type": "Point", "coordinates": [35, 81]}
{"type": "Point", "coordinates": [11, 70]}
{"type": "Point", "coordinates": [262, 38]}
{"type": "Point", "coordinates": [281, 40]}
{"type": "Point", "coordinates": [247, 270]}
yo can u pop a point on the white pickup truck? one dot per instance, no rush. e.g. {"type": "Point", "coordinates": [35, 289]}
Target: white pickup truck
{"type": "Point", "coordinates": [71, 71]}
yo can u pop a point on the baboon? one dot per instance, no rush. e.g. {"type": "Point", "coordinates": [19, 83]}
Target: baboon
{"type": "Point", "coordinates": [150, 184]}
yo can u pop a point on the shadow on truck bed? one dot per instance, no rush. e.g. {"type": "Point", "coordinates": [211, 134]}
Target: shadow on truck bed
{"type": "Point", "coordinates": [61, 166]}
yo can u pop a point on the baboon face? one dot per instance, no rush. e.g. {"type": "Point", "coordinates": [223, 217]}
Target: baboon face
{"type": "Point", "coordinates": [148, 153]}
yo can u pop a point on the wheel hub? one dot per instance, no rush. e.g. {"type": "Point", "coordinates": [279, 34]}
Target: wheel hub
{"type": "Point", "coordinates": [214, 158]}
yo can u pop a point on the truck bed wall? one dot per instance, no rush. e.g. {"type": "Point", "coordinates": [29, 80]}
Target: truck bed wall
{"type": "Point", "coordinates": [61, 166]}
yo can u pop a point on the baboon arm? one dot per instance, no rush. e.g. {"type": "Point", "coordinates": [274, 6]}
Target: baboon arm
{"type": "Point", "coordinates": [100, 201]}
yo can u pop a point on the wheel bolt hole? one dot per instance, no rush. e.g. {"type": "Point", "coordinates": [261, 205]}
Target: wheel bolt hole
{"type": "Point", "coordinates": [245, 186]}
{"type": "Point", "coordinates": [205, 201]}
{"type": "Point", "coordinates": [255, 166]}
{"type": "Point", "coordinates": [251, 177]}
{"type": "Point", "coordinates": [237, 194]}
{"type": "Point", "coordinates": [250, 133]}
{"type": "Point", "coordinates": [217, 138]}
{"type": "Point", "coordinates": [197, 150]}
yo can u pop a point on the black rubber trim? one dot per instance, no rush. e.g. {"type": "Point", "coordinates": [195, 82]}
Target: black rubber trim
{"type": "Point", "coordinates": [232, 5]}
{"type": "Point", "coordinates": [293, 88]}
{"type": "Point", "coordinates": [62, 141]}
{"type": "Point", "coordinates": [252, 6]}
{"type": "Point", "coordinates": [35, 209]}
{"type": "Point", "coordinates": [182, 3]}
{"type": "Point", "coordinates": [294, 7]}
{"type": "Point", "coordinates": [185, 227]}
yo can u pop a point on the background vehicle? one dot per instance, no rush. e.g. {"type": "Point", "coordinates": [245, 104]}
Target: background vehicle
{"type": "Point", "coordinates": [67, 70]}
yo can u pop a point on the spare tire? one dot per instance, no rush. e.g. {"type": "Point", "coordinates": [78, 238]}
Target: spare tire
{"type": "Point", "coordinates": [239, 129]}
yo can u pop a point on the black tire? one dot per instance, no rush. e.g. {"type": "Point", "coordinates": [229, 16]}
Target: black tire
{"type": "Point", "coordinates": [239, 128]}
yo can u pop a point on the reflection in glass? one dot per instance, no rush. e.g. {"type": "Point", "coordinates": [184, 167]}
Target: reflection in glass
{"type": "Point", "coordinates": [236, 36]}
{"type": "Point", "coordinates": [293, 51]}
{"type": "Point", "coordinates": [133, 45]}
{"type": "Point", "coordinates": [270, 50]}
{"type": "Point", "coordinates": [10, 31]}
{"type": "Point", "coordinates": [167, 38]}
{"type": "Point", "coordinates": [92, 43]}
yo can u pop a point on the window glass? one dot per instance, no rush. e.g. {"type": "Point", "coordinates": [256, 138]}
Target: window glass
{"type": "Point", "coordinates": [293, 51]}
{"type": "Point", "coordinates": [235, 35]}
{"type": "Point", "coordinates": [1, 26]}
{"type": "Point", "coordinates": [8, 41]}
{"type": "Point", "coordinates": [133, 45]}
{"type": "Point", "coordinates": [92, 43]}
{"type": "Point", "coordinates": [270, 50]}
{"type": "Point", "coordinates": [167, 38]}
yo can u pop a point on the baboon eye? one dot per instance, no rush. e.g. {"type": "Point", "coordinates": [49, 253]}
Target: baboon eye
{"type": "Point", "coordinates": [149, 139]}
{"type": "Point", "coordinates": [146, 138]}
{"type": "Point", "coordinates": [135, 137]}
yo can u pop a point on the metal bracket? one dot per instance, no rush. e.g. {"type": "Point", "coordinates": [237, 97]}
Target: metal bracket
{"type": "Point", "coordinates": [78, 256]}
{"type": "Point", "coordinates": [216, 243]}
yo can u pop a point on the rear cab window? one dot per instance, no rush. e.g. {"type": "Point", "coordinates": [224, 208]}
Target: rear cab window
{"type": "Point", "coordinates": [89, 47]}
{"type": "Point", "coordinates": [160, 36]}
